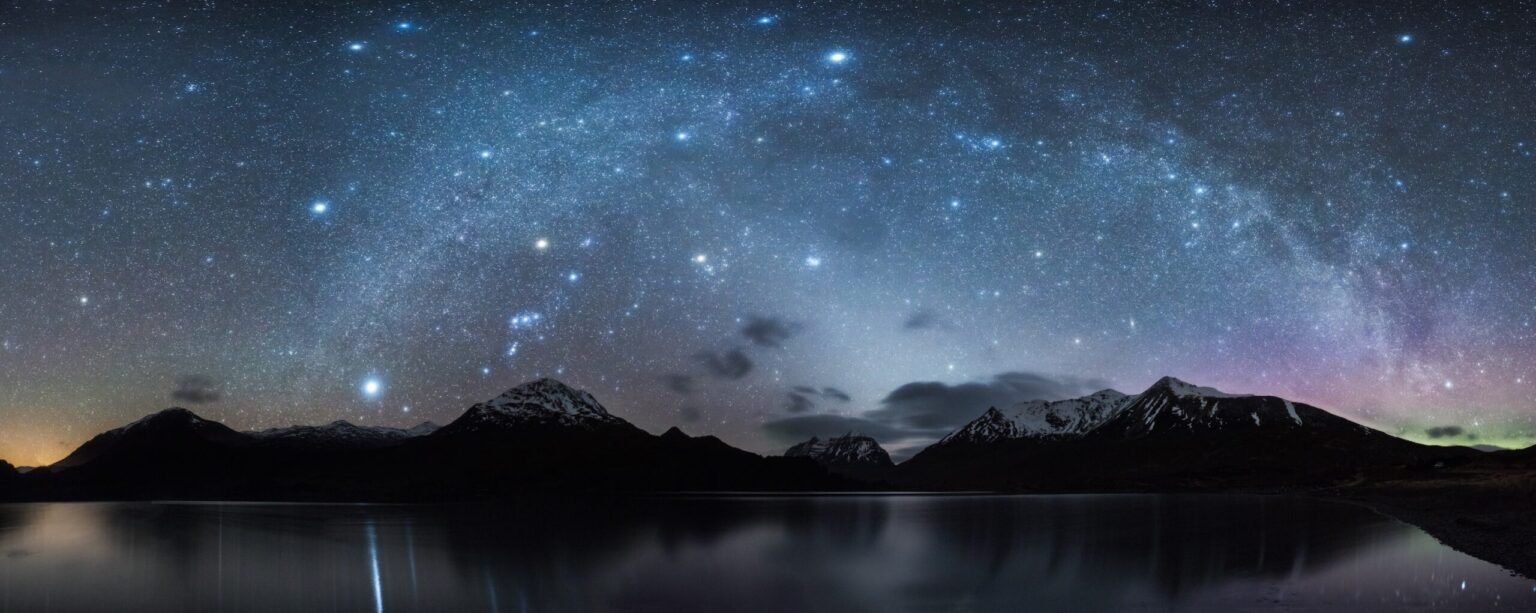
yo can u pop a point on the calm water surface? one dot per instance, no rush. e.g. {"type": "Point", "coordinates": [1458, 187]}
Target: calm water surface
{"type": "Point", "coordinates": [894, 553]}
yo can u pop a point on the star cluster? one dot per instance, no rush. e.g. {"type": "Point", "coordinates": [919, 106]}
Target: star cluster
{"type": "Point", "coordinates": [386, 212]}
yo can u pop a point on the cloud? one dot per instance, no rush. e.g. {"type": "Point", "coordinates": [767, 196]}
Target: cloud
{"type": "Point", "coordinates": [732, 364]}
{"type": "Point", "coordinates": [930, 405]}
{"type": "Point", "coordinates": [798, 403]}
{"type": "Point", "coordinates": [1445, 431]}
{"type": "Point", "coordinates": [195, 389]}
{"type": "Point", "coordinates": [923, 319]}
{"type": "Point", "coordinates": [836, 394]}
{"type": "Point", "coordinates": [769, 331]}
{"type": "Point", "coordinates": [918, 413]}
{"type": "Point", "coordinates": [828, 393]}
{"type": "Point", "coordinates": [679, 383]}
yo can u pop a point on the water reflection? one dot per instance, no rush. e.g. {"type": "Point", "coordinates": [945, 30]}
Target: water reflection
{"type": "Point", "coordinates": [1065, 553]}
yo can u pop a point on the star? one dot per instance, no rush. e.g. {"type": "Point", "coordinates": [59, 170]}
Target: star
{"type": "Point", "coordinates": [838, 57]}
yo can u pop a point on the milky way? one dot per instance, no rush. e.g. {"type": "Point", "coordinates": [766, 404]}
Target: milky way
{"type": "Point", "coordinates": [761, 221]}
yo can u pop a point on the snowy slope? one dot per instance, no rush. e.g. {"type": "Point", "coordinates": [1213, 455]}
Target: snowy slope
{"type": "Point", "coordinates": [545, 402]}
{"type": "Point", "coordinates": [1042, 419]}
{"type": "Point", "coordinates": [1171, 405]}
{"type": "Point", "coordinates": [341, 434]}
{"type": "Point", "coordinates": [849, 449]}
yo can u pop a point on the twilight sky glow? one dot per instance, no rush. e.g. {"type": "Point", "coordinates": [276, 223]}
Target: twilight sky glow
{"type": "Point", "coordinates": [387, 212]}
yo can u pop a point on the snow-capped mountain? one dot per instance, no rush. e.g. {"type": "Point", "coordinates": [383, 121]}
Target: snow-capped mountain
{"type": "Point", "coordinates": [341, 433]}
{"type": "Point", "coordinates": [1171, 405]}
{"type": "Point", "coordinates": [850, 455]}
{"type": "Point", "coordinates": [847, 449]}
{"type": "Point", "coordinates": [1042, 419]}
{"type": "Point", "coordinates": [542, 403]}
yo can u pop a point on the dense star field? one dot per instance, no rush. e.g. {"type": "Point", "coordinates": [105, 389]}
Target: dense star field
{"type": "Point", "coordinates": [763, 222]}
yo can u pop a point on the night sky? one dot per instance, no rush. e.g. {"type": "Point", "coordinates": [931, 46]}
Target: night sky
{"type": "Point", "coordinates": [763, 221]}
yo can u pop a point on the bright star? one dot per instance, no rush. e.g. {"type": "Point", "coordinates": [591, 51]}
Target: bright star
{"type": "Point", "coordinates": [1405, 38]}
{"type": "Point", "coordinates": [319, 207]}
{"type": "Point", "coordinates": [541, 244]}
{"type": "Point", "coordinates": [837, 57]}
{"type": "Point", "coordinates": [404, 25]}
{"type": "Point", "coordinates": [485, 154]}
{"type": "Point", "coordinates": [682, 136]}
{"type": "Point", "coordinates": [372, 386]}
{"type": "Point", "coordinates": [766, 20]}
{"type": "Point", "coordinates": [355, 46]}
{"type": "Point", "coordinates": [813, 261]}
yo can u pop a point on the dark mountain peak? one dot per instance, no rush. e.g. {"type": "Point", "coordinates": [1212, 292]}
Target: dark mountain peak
{"type": "Point", "coordinates": [675, 434]}
{"type": "Point", "coordinates": [173, 415]}
{"type": "Point", "coordinates": [423, 428]}
{"type": "Point", "coordinates": [169, 428]}
{"type": "Point", "coordinates": [1182, 389]}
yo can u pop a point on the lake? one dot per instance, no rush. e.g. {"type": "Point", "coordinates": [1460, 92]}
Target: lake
{"type": "Point", "coordinates": [744, 553]}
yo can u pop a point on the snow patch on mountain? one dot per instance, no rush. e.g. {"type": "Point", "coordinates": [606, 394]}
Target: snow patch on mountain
{"type": "Point", "coordinates": [849, 449]}
{"type": "Point", "coordinates": [341, 432]}
{"type": "Point", "coordinates": [542, 402]}
{"type": "Point", "coordinates": [1042, 419]}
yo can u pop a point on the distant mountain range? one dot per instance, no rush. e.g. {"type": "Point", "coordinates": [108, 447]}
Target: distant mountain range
{"type": "Point", "coordinates": [544, 436]}
{"type": "Point", "coordinates": [1173, 435]}
{"type": "Point", "coordinates": [539, 436]}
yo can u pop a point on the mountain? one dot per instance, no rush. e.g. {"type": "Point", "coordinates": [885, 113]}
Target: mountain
{"type": "Point", "coordinates": [1171, 405]}
{"type": "Point", "coordinates": [339, 433]}
{"type": "Point", "coordinates": [544, 435]}
{"type": "Point", "coordinates": [165, 435]}
{"type": "Point", "coordinates": [541, 436]}
{"type": "Point", "coordinates": [541, 405]}
{"type": "Point", "coordinates": [850, 455]}
{"type": "Point", "coordinates": [1041, 419]}
{"type": "Point", "coordinates": [1173, 436]}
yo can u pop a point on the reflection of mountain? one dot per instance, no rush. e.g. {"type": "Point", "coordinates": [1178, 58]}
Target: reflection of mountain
{"type": "Point", "coordinates": [1066, 553]}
